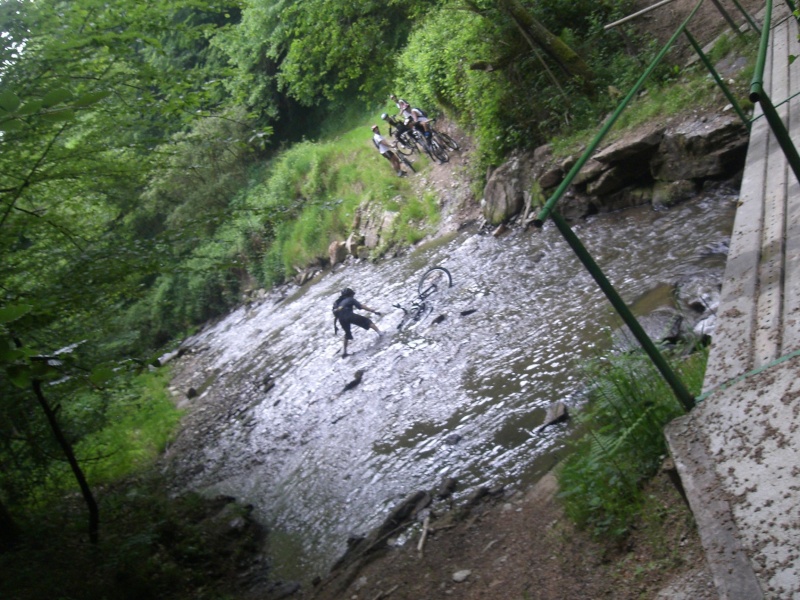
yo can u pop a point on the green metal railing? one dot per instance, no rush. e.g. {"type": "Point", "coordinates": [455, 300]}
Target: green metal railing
{"type": "Point", "coordinates": [548, 210]}
{"type": "Point", "coordinates": [757, 94]}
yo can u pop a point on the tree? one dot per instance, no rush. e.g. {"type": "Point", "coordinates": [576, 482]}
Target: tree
{"type": "Point", "coordinates": [87, 94]}
{"type": "Point", "coordinates": [539, 37]}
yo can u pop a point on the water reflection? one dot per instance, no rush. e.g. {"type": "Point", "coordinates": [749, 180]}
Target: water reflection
{"type": "Point", "coordinates": [463, 398]}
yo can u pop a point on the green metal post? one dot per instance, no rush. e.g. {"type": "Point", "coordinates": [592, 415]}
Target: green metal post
{"type": "Point", "coordinates": [682, 394]}
{"type": "Point", "coordinates": [717, 78]}
{"type": "Point", "coordinates": [749, 18]}
{"type": "Point", "coordinates": [727, 17]}
{"type": "Point", "coordinates": [761, 57]}
{"type": "Point", "coordinates": [757, 94]}
{"type": "Point", "coordinates": [779, 131]}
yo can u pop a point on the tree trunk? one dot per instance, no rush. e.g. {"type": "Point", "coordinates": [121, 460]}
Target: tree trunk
{"type": "Point", "coordinates": [66, 448]}
{"type": "Point", "coordinates": [539, 37]}
{"type": "Point", "coordinates": [9, 532]}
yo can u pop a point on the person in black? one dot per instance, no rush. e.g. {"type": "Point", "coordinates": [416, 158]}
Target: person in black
{"type": "Point", "coordinates": [343, 313]}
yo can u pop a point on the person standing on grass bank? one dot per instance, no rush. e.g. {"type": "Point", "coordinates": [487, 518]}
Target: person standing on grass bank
{"type": "Point", "coordinates": [386, 151]}
{"type": "Point", "coordinates": [343, 313]}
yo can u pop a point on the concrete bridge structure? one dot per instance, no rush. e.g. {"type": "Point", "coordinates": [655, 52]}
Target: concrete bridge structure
{"type": "Point", "coordinates": [738, 451]}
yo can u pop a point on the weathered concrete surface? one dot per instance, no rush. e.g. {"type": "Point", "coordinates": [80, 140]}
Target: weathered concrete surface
{"type": "Point", "coordinates": [738, 458]}
{"type": "Point", "coordinates": [737, 451]}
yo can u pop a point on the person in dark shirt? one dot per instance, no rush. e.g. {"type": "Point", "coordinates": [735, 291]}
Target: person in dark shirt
{"type": "Point", "coordinates": [343, 313]}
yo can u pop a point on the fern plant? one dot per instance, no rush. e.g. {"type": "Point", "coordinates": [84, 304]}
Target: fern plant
{"type": "Point", "coordinates": [627, 407]}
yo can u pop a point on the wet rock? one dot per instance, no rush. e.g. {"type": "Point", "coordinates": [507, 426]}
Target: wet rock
{"type": "Point", "coordinates": [376, 226]}
{"type": "Point", "coordinates": [452, 439]}
{"type": "Point", "coordinates": [663, 324]}
{"type": "Point", "coordinates": [499, 230]}
{"type": "Point", "coordinates": [590, 171]}
{"type": "Point", "coordinates": [337, 252]}
{"type": "Point", "coordinates": [701, 149]}
{"type": "Point", "coordinates": [641, 143]}
{"type": "Point", "coordinates": [650, 165]}
{"type": "Point", "coordinates": [447, 488]}
{"type": "Point", "coordinates": [556, 413]}
{"type": "Point", "coordinates": [704, 328]}
{"type": "Point", "coordinates": [353, 242]}
{"type": "Point", "coordinates": [698, 295]}
{"type": "Point", "coordinates": [667, 194]}
{"type": "Point", "coordinates": [461, 576]}
{"type": "Point", "coordinates": [504, 191]}
{"type": "Point", "coordinates": [611, 180]}
{"type": "Point", "coordinates": [476, 496]}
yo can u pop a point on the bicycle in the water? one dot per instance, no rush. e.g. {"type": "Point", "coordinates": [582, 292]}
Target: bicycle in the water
{"type": "Point", "coordinates": [432, 282]}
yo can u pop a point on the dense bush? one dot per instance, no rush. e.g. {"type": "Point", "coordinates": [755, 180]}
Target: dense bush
{"type": "Point", "coordinates": [475, 65]}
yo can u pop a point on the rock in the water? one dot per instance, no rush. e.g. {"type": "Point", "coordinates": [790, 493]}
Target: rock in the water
{"type": "Point", "coordinates": [461, 576]}
{"type": "Point", "coordinates": [556, 413]}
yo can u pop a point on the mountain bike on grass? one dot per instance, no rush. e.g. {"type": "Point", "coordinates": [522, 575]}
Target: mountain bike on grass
{"type": "Point", "coordinates": [432, 282]}
{"type": "Point", "coordinates": [405, 161]}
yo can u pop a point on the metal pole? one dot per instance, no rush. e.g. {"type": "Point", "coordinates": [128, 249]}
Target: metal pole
{"type": "Point", "coordinates": [779, 131]}
{"type": "Point", "coordinates": [757, 83]}
{"type": "Point", "coordinates": [717, 78]}
{"type": "Point", "coordinates": [747, 16]}
{"type": "Point", "coordinates": [727, 17]}
{"type": "Point", "coordinates": [637, 14]}
{"type": "Point", "coordinates": [681, 393]}
{"type": "Point", "coordinates": [757, 94]}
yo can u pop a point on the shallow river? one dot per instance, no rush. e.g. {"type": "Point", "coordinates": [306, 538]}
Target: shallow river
{"type": "Point", "coordinates": [273, 426]}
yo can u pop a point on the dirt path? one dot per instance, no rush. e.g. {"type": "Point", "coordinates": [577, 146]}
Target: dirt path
{"type": "Point", "coordinates": [522, 546]}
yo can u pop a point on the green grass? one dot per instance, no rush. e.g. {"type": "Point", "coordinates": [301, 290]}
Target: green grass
{"type": "Point", "coordinates": [623, 445]}
{"type": "Point", "coordinates": [309, 196]}
{"type": "Point", "coordinates": [692, 88]}
{"type": "Point", "coordinates": [139, 422]}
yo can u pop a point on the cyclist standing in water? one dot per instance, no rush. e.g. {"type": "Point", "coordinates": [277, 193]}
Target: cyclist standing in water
{"type": "Point", "coordinates": [343, 313]}
{"type": "Point", "coordinates": [386, 151]}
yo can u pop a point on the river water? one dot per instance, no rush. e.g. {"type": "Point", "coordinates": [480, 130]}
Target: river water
{"type": "Point", "coordinates": [273, 425]}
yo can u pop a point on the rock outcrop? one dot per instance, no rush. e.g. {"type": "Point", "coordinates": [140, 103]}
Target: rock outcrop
{"type": "Point", "coordinates": [657, 165]}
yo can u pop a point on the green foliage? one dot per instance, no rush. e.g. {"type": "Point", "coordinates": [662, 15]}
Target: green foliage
{"type": "Point", "coordinates": [116, 421]}
{"type": "Point", "coordinates": [477, 66]}
{"type": "Point", "coordinates": [628, 405]}
{"type": "Point", "coordinates": [153, 545]}
{"type": "Point", "coordinates": [137, 419]}
{"type": "Point", "coordinates": [308, 197]}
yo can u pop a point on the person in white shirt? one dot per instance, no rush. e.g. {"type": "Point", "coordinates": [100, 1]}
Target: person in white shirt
{"type": "Point", "coordinates": [385, 149]}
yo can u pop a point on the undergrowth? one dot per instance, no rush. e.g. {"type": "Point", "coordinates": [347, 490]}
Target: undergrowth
{"type": "Point", "coordinates": [628, 405]}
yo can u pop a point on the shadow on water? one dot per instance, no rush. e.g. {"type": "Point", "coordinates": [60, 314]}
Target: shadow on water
{"type": "Point", "coordinates": [463, 398]}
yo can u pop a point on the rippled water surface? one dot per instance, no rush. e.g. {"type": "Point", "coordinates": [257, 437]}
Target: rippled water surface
{"type": "Point", "coordinates": [320, 464]}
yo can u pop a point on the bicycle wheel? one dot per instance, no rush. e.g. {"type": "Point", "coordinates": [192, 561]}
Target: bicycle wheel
{"type": "Point", "coordinates": [439, 151]}
{"type": "Point", "coordinates": [434, 279]}
{"type": "Point", "coordinates": [446, 140]}
{"type": "Point", "coordinates": [402, 147]}
{"type": "Point", "coordinates": [422, 143]}
{"type": "Point", "coordinates": [406, 162]}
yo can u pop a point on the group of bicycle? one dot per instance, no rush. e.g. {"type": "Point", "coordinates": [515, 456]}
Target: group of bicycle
{"type": "Point", "coordinates": [411, 131]}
